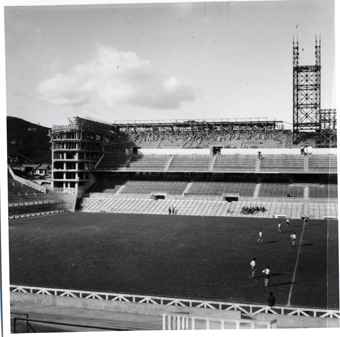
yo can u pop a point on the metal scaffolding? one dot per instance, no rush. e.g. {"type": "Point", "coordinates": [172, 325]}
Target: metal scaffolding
{"type": "Point", "coordinates": [328, 135]}
{"type": "Point", "coordinates": [306, 94]}
{"type": "Point", "coordinates": [76, 148]}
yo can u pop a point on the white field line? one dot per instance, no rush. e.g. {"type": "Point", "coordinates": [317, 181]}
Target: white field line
{"type": "Point", "coordinates": [296, 264]}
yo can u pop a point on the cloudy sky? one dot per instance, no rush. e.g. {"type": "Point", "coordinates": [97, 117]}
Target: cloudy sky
{"type": "Point", "coordinates": [162, 61]}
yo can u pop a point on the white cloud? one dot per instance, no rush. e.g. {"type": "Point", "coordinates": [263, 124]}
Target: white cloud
{"type": "Point", "coordinates": [116, 78]}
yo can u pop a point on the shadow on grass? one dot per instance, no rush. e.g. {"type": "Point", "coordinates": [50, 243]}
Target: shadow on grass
{"type": "Point", "coordinates": [262, 276]}
{"type": "Point", "coordinates": [281, 284]}
{"type": "Point", "coordinates": [277, 274]}
{"type": "Point", "coordinates": [307, 244]}
{"type": "Point", "coordinates": [268, 242]}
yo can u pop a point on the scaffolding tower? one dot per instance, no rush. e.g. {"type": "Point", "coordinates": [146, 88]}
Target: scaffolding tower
{"type": "Point", "coordinates": [328, 136]}
{"type": "Point", "coordinates": [306, 94]}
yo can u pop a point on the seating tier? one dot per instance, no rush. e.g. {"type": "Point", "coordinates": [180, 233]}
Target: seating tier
{"type": "Point", "coordinates": [113, 161]}
{"type": "Point", "coordinates": [36, 207]}
{"type": "Point", "coordinates": [323, 191]}
{"type": "Point", "coordinates": [280, 190]}
{"type": "Point", "coordinates": [220, 188]}
{"type": "Point", "coordinates": [150, 162]}
{"type": "Point", "coordinates": [235, 162]}
{"type": "Point", "coordinates": [147, 187]}
{"type": "Point", "coordinates": [282, 162]}
{"type": "Point", "coordinates": [190, 163]}
{"type": "Point", "coordinates": [107, 184]}
{"type": "Point", "coordinates": [323, 163]}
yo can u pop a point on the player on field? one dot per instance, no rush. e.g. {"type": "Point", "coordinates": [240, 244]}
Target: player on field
{"type": "Point", "coordinates": [271, 299]}
{"type": "Point", "coordinates": [305, 220]}
{"type": "Point", "coordinates": [253, 267]}
{"type": "Point", "coordinates": [266, 273]}
{"type": "Point", "coordinates": [279, 228]}
{"type": "Point", "coordinates": [293, 238]}
{"type": "Point", "coordinates": [287, 222]}
{"type": "Point", "coordinates": [260, 239]}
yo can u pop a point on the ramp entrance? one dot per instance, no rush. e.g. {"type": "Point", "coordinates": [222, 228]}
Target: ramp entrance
{"type": "Point", "coordinates": [230, 197]}
{"type": "Point", "coordinates": [158, 196]}
{"type": "Point", "coordinates": [216, 149]}
{"type": "Point", "coordinates": [135, 150]}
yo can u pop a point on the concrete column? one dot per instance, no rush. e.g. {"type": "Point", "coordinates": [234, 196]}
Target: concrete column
{"type": "Point", "coordinates": [257, 190]}
{"type": "Point", "coordinates": [306, 192]}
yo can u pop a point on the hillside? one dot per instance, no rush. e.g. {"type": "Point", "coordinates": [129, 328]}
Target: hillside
{"type": "Point", "coordinates": [27, 142]}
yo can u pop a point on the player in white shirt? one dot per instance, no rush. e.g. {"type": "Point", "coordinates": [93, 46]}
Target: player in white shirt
{"type": "Point", "coordinates": [293, 238]}
{"type": "Point", "coordinates": [253, 267]}
{"type": "Point", "coordinates": [287, 222]}
{"type": "Point", "coordinates": [279, 228]}
{"type": "Point", "coordinates": [260, 239]}
{"type": "Point", "coordinates": [305, 220]}
{"type": "Point", "coordinates": [266, 273]}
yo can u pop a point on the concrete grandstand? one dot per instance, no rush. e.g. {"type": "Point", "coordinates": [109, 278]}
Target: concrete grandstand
{"type": "Point", "coordinates": [224, 179]}
{"type": "Point", "coordinates": [217, 170]}
{"type": "Point", "coordinates": [90, 156]}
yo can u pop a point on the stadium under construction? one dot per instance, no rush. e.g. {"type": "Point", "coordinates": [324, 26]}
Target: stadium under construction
{"type": "Point", "coordinates": [85, 149]}
{"type": "Point", "coordinates": [178, 269]}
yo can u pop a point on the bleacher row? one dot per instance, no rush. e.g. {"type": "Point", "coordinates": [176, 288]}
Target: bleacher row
{"type": "Point", "coordinates": [219, 163]}
{"type": "Point", "coordinates": [195, 188]}
{"type": "Point", "coordinates": [35, 213]}
{"type": "Point", "coordinates": [171, 187]}
{"type": "Point", "coordinates": [36, 207]}
{"type": "Point", "coordinates": [18, 192]}
{"type": "Point", "coordinates": [220, 188]}
{"type": "Point", "coordinates": [25, 201]}
{"type": "Point", "coordinates": [207, 207]}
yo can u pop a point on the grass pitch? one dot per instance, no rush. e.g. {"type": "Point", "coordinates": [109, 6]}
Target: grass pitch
{"type": "Point", "coordinates": [178, 256]}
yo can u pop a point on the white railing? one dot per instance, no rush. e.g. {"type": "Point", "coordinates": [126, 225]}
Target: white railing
{"type": "Point", "coordinates": [185, 322]}
{"type": "Point", "coordinates": [19, 204]}
{"type": "Point", "coordinates": [28, 215]}
{"type": "Point", "coordinates": [248, 309]}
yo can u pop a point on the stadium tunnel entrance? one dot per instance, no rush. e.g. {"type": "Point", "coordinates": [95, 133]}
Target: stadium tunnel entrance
{"type": "Point", "coordinates": [216, 150]}
{"type": "Point", "coordinates": [230, 197]}
{"type": "Point", "coordinates": [158, 196]}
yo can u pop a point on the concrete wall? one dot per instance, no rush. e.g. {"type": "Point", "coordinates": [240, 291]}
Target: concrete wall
{"type": "Point", "coordinates": [285, 321]}
{"type": "Point", "coordinates": [122, 307]}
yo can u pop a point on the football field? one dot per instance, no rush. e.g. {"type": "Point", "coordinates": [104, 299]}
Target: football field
{"type": "Point", "coordinates": [178, 256]}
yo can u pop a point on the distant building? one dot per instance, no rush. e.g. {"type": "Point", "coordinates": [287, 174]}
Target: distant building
{"type": "Point", "coordinates": [41, 170]}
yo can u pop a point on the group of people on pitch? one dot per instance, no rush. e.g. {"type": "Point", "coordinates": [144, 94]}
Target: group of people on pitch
{"type": "Point", "coordinates": [172, 210]}
{"type": "Point", "coordinates": [267, 271]}
{"type": "Point", "coordinates": [252, 210]}
{"type": "Point", "coordinates": [279, 230]}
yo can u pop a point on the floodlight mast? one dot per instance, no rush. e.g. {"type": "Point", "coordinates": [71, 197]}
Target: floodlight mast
{"type": "Point", "coordinates": [306, 94]}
